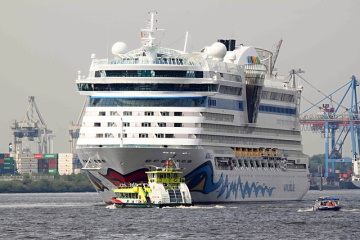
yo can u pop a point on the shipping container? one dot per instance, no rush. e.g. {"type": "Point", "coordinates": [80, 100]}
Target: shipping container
{"type": "Point", "coordinates": [43, 166]}
{"type": "Point", "coordinates": [2, 155]}
{"type": "Point", "coordinates": [53, 155]}
{"type": "Point", "coordinates": [8, 158]}
{"type": "Point", "coordinates": [64, 160]}
{"type": "Point", "coordinates": [6, 171]}
{"type": "Point", "coordinates": [54, 166]}
{"type": "Point", "coordinates": [27, 165]}
{"type": "Point", "coordinates": [8, 167]}
{"type": "Point", "coordinates": [26, 155]}
{"type": "Point", "coordinates": [52, 160]}
{"type": "Point", "coordinates": [43, 170]}
{"type": "Point", "coordinates": [52, 170]}
{"type": "Point", "coordinates": [77, 161]}
{"type": "Point", "coordinates": [65, 155]}
{"type": "Point", "coordinates": [42, 160]}
{"type": "Point", "coordinates": [1, 161]}
{"type": "Point", "coordinates": [28, 160]}
{"type": "Point", "coordinates": [23, 171]}
{"type": "Point", "coordinates": [65, 172]}
{"type": "Point", "coordinates": [38, 155]}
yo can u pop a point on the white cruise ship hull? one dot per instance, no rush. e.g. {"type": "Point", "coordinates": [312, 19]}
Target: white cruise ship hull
{"type": "Point", "coordinates": [207, 184]}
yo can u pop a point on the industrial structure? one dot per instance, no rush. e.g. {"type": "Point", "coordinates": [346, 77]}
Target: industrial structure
{"type": "Point", "coordinates": [336, 121]}
{"type": "Point", "coordinates": [74, 129]}
{"type": "Point", "coordinates": [32, 128]}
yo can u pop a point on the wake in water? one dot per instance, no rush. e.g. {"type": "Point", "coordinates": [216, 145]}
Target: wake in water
{"type": "Point", "coordinates": [350, 210]}
{"type": "Point", "coordinates": [306, 210]}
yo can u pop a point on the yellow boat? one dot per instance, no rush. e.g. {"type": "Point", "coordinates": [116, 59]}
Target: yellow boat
{"type": "Point", "coordinates": [165, 187]}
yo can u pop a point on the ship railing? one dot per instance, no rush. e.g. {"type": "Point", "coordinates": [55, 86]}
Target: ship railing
{"type": "Point", "coordinates": [160, 61]}
{"type": "Point", "coordinates": [255, 73]}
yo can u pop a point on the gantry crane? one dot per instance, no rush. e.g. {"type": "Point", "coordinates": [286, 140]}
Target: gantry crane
{"type": "Point", "coordinates": [335, 122]}
{"type": "Point", "coordinates": [34, 129]}
{"type": "Point", "coordinates": [74, 129]}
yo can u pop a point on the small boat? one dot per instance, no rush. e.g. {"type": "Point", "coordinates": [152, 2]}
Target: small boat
{"type": "Point", "coordinates": [165, 188]}
{"type": "Point", "coordinates": [327, 203]}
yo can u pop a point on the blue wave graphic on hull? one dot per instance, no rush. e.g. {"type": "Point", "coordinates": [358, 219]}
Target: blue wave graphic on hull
{"type": "Point", "coordinates": [201, 180]}
{"type": "Point", "coordinates": [236, 187]}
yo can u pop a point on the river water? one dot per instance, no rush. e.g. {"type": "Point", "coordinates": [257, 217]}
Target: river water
{"type": "Point", "coordinates": [84, 216]}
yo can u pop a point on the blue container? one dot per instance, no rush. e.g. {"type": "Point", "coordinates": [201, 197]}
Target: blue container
{"type": "Point", "coordinates": [43, 170]}
{"type": "Point", "coordinates": [2, 155]}
{"type": "Point", "coordinates": [6, 171]}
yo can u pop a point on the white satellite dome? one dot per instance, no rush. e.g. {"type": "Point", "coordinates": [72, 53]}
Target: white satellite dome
{"type": "Point", "coordinates": [217, 50]}
{"type": "Point", "coordinates": [119, 48]}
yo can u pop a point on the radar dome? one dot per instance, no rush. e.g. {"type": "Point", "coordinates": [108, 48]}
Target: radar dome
{"type": "Point", "coordinates": [119, 48]}
{"type": "Point", "coordinates": [217, 50]}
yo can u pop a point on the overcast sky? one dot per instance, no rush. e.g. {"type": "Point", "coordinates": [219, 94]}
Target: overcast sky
{"type": "Point", "coordinates": [44, 43]}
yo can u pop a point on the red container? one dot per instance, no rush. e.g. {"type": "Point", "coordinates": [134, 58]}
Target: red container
{"type": "Point", "coordinates": [38, 155]}
{"type": "Point", "coordinates": [53, 161]}
{"type": "Point", "coordinates": [1, 161]}
{"type": "Point", "coordinates": [52, 165]}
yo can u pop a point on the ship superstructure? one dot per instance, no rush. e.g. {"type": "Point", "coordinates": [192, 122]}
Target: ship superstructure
{"type": "Point", "coordinates": [232, 125]}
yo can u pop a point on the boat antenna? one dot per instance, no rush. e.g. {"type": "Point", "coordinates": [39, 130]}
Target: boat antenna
{"type": "Point", "coordinates": [186, 41]}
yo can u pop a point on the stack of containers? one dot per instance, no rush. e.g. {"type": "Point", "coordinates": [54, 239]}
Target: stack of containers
{"type": "Point", "coordinates": [65, 163]}
{"type": "Point", "coordinates": [43, 164]}
{"type": "Point", "coordinates": [7, 164]}
{"type": "Point", "coordinates": [27, 163]}
{"type": "Point", "coordinates": [52, 162]}
{"type": "Point", "coordinates": [77, 165]}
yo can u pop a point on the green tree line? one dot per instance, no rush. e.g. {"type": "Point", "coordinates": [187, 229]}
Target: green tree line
{"type": "Point", "coordinates": [319, 160]}
{"type": "Point", "coordinates": [60, 183]}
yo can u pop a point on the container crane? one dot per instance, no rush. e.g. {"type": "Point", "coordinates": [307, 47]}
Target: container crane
{"type": "Point", "coordinates": [335, 122]}
{"type": "Point", "coordinates": [74, 129]}
{"type": "Point", "coordinates": [33, 128]}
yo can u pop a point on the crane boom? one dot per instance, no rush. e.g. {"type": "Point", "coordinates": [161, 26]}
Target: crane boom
{"type": "Point", "coordinates": [275, 54]}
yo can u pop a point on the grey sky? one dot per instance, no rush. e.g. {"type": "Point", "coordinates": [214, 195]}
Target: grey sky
{"type": "Point", "coordinates": [44, 43]}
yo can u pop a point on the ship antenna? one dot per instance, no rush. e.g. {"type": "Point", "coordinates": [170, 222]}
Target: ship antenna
{"type": "Point", "coordinates": [186, 41]}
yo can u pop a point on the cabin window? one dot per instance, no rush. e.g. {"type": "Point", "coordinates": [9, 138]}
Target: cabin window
{"type": "Point", "coordinates": [177, 113]}
{"type": "Point", "coordinates": [97, 124]}
{"type": "Point", "coordinates": [102, 113]}
{"type": "Point", "coordinates": [146, 124]}
{"type": "Point", "coordinates": [143, 135]}
{"type": "Point", "coordinates": [149, 113]}
{"type": "Point", "coordinates": [162, 124]}
{"type": "Point", "coordinates": [164, 113]}
{"type": "Point", "coordinates": [127, 113]}
{"type": "Point", "coordinates": [177, 124]}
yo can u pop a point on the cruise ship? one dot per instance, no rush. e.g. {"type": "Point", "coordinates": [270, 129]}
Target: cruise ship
{"type": "Point", "coordinates": [230, 123]}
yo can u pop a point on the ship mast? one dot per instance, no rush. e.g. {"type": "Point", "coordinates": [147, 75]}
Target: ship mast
{"type": "Point", "coordinates": [148, 38]}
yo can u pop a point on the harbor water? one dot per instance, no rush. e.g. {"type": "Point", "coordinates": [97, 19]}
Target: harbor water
{"type": "Point", "coordinates": [84, 216]}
